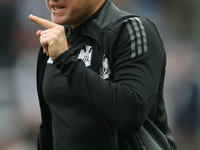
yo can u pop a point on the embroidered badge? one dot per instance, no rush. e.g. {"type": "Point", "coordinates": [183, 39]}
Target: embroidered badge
{"type": "Point", "coordinates": [86, 55]}
{"type": "Point", "coordinates": [105, 70]}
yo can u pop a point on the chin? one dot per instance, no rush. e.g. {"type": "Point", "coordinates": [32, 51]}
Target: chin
{"type": "Point", "coordinates": [58, 20]}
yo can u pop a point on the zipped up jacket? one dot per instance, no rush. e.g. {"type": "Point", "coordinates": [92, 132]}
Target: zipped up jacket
{"type": "Point", "coordinates": [119, 75]}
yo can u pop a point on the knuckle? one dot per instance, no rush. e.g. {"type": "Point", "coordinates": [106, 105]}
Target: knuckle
{"type": "Point", "coordinates": [61, 28]}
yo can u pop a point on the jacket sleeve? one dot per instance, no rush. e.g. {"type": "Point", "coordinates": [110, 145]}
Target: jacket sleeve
{"type": "Point", "coordinates": [137, 65]}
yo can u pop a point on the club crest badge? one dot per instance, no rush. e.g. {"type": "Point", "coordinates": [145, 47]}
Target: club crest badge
{"type": "Point", "coordinates": [105, 69]}
{"type": "Point", "coordinates": [86, 55]}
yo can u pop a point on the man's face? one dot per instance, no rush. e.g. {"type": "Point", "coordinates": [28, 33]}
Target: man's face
{"type": "Point", "coordinates": [72, 12]}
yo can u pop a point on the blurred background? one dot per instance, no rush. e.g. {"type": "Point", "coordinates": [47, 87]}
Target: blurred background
{"type": "Point", "coordinates": [178, 23]}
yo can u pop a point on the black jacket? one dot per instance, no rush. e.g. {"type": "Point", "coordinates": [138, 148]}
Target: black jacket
{"type": "Point", "coordinates": [123, 82]}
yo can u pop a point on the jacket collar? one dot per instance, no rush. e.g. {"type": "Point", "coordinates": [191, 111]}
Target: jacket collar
{"type": "Point", "coordinates": [94, 27]}
{"type": "Point", "coordinates": [107, 15]}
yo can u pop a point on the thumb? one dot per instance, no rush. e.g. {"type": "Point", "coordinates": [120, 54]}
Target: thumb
{"type": "Point", "coordinates": [45, 48]}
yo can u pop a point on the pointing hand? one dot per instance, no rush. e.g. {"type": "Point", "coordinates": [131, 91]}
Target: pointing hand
{"type": "Point", "coordinates": [53, 39]}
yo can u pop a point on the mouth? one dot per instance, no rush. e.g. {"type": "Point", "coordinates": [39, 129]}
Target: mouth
{"type": "Point", "coordinates": [57, 9]}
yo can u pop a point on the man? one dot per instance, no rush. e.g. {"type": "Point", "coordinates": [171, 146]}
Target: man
{"type": "Point", "coordinates": [100, 81]}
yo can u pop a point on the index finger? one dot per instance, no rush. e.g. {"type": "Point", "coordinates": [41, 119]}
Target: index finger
{"type": "Point", "coordinates": [43, 22]}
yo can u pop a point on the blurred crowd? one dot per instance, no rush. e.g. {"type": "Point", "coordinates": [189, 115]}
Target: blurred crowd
{"type": "Point", "coordinates": [178, 23]}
